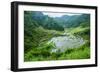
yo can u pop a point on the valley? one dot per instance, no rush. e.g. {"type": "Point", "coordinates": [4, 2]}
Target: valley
{"type": "Point", "coordinates": [56, 38]}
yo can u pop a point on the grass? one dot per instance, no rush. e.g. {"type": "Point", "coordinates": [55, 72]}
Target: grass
{"type": "Point", "coordinates": [38, 37]}
{"type": "Point", "coordinates": [41, 49]}
{"type": "Point", "coordinates": [82, 52]}
{"type": "Point", "coordinates": [43, 53]}
{"type": "Point", "coordinates": [76, 30]}
{"type": "Point", "coordinates": [79, 31]}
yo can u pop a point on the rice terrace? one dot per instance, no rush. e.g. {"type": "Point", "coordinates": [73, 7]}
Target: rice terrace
{"type": "Point", "coordinates": [56, 36]}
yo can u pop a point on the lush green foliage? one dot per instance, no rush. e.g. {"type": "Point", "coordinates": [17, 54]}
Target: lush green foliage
{"type": "Point", "coordinates": [40, 28]}
{"type": "Point", "coordinates": [43, 53]}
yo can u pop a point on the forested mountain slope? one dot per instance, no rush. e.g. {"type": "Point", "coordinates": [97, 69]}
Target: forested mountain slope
{"type": "Point", "coordinates": [40, 28]}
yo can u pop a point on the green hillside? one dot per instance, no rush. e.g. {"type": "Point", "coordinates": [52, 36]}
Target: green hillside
{"type": "Point", "coordinates": [40, 28]}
